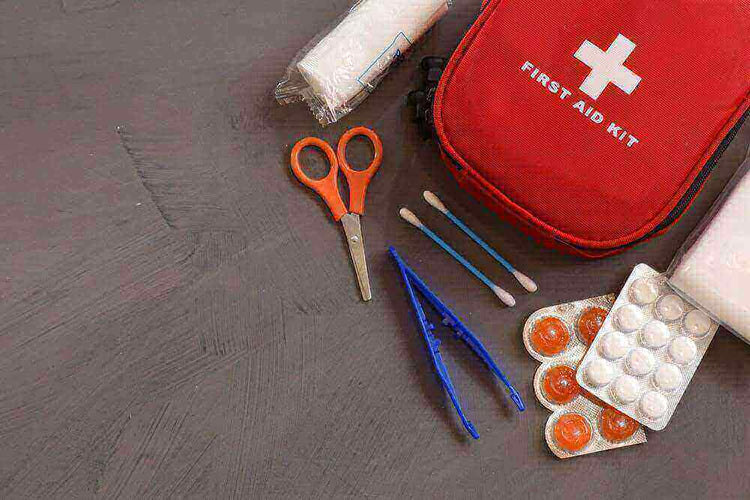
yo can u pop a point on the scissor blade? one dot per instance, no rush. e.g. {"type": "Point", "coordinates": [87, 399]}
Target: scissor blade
{"type": "Point", "coordinates": [353, 230]}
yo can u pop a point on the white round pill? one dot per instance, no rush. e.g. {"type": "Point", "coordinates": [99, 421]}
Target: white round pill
{"type": "Point", "coordinates": [629, 318]}
{"type": "Point", "coordinates": [697, 323]}
{"type": "Point", "coordinates": [614, 345]}
{"type": "Point", "coordinates": [667, 377]}
{"type": "Point", "coordinates": [644, 291]}
{"type": "Point", "coordinates": [640, 361]}
{"type": "Point", "coordinates": [682, 350]}
{"type": "Point", "coordinates": [599, 372]}
{"type": "Point", "coordinates": [670, 307]}
{"type": "Point", "coordinates": [626, 389]}
{"type": "Point", "coordinates": [653, 405]}
{"type": "Point", "coordinates": [655, 334]}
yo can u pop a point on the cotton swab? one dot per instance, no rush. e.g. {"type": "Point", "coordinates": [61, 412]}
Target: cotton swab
{"type": "Point", "coordinates": [412, 219]}
{"type": "Point", "coordinates": [524, 280]}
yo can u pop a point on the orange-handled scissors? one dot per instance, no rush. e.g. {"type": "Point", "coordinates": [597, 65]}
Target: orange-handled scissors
{"type": "Point", "coordinates": [328, 189]}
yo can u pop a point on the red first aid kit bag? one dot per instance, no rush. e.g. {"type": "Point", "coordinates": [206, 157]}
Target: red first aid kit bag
{"type": "Point", "coordinates": [593, 125]}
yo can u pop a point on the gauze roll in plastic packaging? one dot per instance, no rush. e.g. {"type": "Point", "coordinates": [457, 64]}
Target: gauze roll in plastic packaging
{"type": "Point", "coordinates": [338, 69]}
{"type": "Point", "coordinates": [712, 268]}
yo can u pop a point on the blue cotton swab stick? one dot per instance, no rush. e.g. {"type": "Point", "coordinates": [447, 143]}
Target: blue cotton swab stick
{"type": "Point", "coordinates": [524, 280]}
{"type": "Point", "coordinates": [412, 219]}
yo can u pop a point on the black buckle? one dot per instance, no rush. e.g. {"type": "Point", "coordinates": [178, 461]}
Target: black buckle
{"type": "Point", "coordinates": [421, 99]}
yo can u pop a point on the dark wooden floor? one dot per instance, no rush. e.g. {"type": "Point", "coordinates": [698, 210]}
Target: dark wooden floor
{"type": "Point", "coordinates": [178, 316]}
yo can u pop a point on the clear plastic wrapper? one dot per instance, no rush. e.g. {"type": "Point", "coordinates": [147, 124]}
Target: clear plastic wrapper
{"type": "Point", "coordinates": [647, 350]}
{"type": "Point", "coordinates": [580, 424]}
{"type": "Point", "coordinates": [712, 268]}
{"type": "Point", "coordinates": [340, 67]}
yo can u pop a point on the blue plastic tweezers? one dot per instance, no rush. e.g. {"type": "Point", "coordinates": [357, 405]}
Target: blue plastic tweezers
{"type": "Point", "coordinates": [412, 281]}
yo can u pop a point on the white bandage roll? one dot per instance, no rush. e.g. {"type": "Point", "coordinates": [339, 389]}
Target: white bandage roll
{"type": "Point", "coordinates": [354, 55]}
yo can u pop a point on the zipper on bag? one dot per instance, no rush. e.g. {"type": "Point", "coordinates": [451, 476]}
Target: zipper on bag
{"type": "Point", "coordinates": [681, 206]}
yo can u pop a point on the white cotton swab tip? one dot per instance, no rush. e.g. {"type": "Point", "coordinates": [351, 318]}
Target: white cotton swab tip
{"type": "Point", "coordinates": [525, 281]}
{"type": "Point", "coordinates": [409, 217]}
{"type": "Point", "coordinates": [504, 296]}
{"type": "Point", "coordinates": [433, 200]}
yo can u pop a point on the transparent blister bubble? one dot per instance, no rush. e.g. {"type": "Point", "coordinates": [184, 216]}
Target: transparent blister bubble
{"type": "Point", "coordinates": [571, 321]}
{"type": "Point", "coordinates": [554, 378]}
{"type": "Point", "coordinates": [665, 339]}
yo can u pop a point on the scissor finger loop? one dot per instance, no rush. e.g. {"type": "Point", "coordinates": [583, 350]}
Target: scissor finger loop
{"type": "Point", "coordinates": [327, 187]}
{"type": "Point", "coordinates": [359, 179]}
{"type": "Point", "coordinates": [322, 145]}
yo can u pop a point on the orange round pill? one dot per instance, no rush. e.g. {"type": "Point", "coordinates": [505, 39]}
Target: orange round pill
{"type": "Point", "coordinates": [590, 322]}
{"type": "Point", "coordinates": [560, 384]}
{"type": "Point", "coordinates": [572, 432]}
{"type": "Point", "coordinates": [549, 336]}
{"type": "Point", "coordinates": [616, 426]}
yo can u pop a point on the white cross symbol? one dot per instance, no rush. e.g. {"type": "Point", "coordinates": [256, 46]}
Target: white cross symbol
{"type": "Point", "coordinates": [607, 67]}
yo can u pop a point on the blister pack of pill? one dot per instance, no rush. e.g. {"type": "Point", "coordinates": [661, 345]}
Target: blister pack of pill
{"type": "Point", "coordinates": [647, 349]}
{"type": "Point", "coordinates": [580, 424]}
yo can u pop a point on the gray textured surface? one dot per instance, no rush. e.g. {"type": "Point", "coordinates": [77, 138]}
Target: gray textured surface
{"type": "Point", "coordinates": [178, 316]}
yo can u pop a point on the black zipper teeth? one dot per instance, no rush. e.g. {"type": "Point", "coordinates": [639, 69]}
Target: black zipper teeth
{"type": "Point", "coordinates": [704, 173]}
{"type": "Point", "coordinates": [692, 191]}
